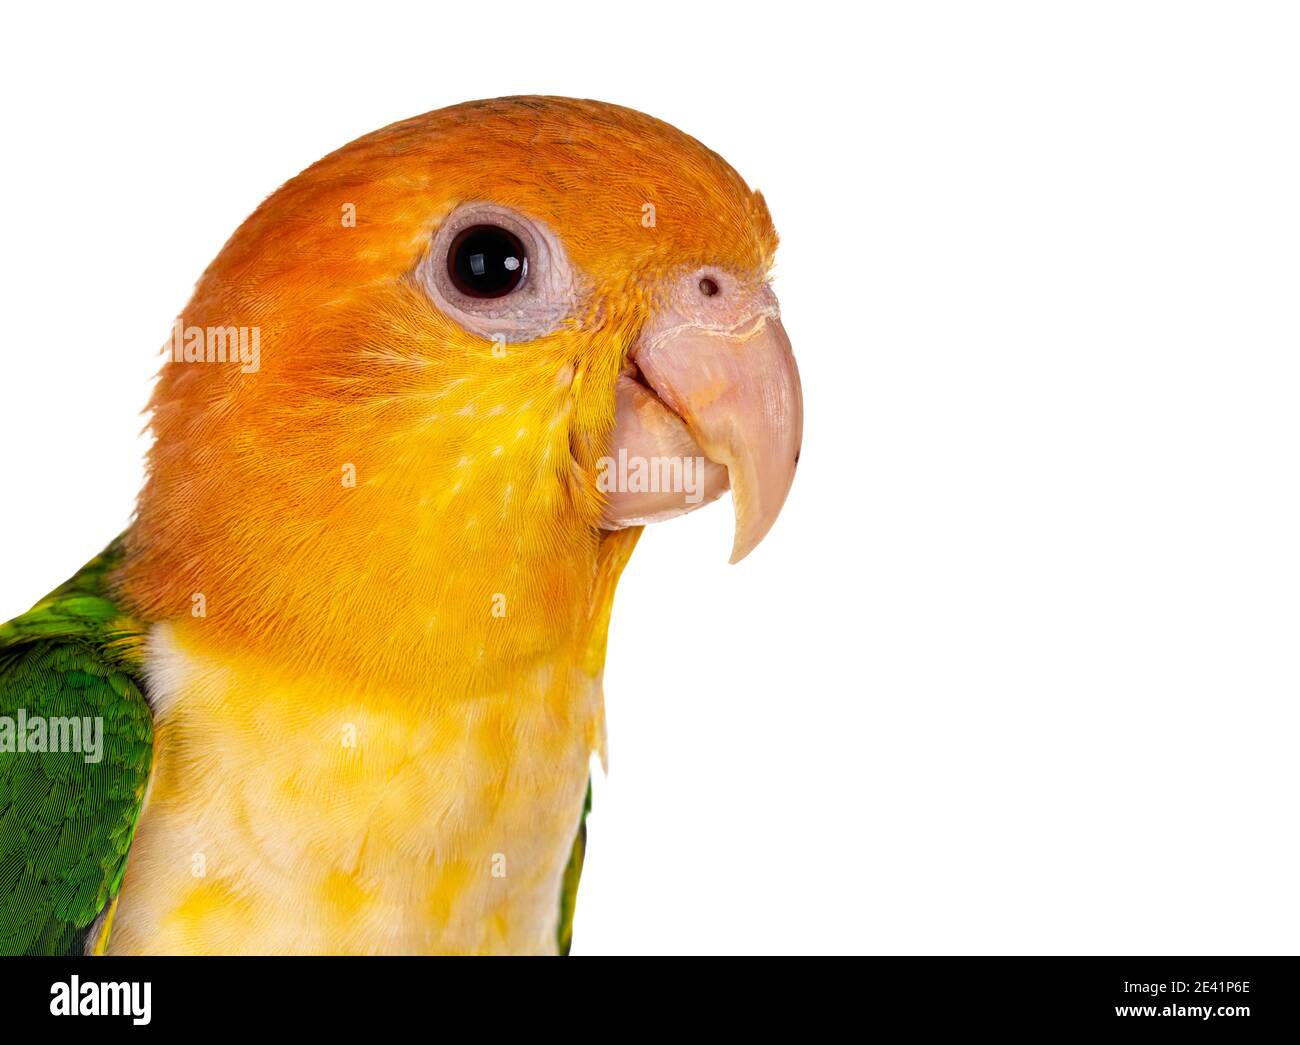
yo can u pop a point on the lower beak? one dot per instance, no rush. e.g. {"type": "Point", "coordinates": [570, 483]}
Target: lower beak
{"type": "Point", "coordinates": [730, 394]}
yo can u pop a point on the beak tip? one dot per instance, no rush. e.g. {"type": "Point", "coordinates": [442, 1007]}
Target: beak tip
{"type": "Point", "coordinates": [746, 540]}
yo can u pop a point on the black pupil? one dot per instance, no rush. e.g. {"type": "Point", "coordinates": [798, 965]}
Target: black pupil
{"type": "Point", "coordinates": [486, 261]}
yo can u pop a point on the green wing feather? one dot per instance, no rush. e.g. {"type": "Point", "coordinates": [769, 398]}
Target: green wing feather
{"type": "Point", "coordinates": [569, 884]}
{"type": "Point", "coordinates": [66, 824]}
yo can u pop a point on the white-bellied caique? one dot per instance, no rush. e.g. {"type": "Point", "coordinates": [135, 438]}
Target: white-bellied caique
{"type": "Point", "coordinates": [344, 667]}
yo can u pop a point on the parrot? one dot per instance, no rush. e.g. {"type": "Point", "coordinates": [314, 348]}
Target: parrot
{"type": "Point", "coordinates": [337, 688]}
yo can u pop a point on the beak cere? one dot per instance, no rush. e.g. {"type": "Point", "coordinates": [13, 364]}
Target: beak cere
{"type": "Point", "coordinates": [719, 383]}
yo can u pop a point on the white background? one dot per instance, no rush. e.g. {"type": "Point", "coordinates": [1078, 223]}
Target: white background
{"type": "Point", "coordinates": [1017, 669]}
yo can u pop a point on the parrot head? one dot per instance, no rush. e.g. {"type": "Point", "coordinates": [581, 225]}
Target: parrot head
{"type": "Point", "coordinates": [489, 342]}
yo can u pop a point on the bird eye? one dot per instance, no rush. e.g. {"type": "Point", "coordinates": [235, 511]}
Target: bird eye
{"type": "Point", "coordinates": [499, 273]}
{"type": "Point", "coordinates": [486, 261]}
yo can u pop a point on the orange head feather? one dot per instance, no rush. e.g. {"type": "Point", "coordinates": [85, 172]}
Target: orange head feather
{"type": "Point", "coordinates": [473, 466]}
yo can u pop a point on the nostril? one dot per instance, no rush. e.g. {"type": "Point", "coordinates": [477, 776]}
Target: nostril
{"type": "Point", "coordinates": [708, 286]}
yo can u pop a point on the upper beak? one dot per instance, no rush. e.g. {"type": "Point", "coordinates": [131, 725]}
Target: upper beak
{"type": "Point", "coordinates": [733, 384]}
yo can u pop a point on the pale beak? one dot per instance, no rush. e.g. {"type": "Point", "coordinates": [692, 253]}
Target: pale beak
{"type": "Point", "coordinates": [719, 386]}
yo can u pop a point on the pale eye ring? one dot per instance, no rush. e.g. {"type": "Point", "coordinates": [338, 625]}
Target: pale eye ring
{"type": "Point", "coordinates": [499, 273]}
